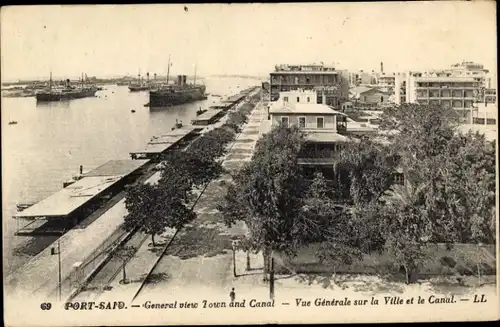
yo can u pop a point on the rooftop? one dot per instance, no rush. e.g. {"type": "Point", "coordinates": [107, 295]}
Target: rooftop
{"type": "Point", "coordinates": [308, 72]}
{"type": "Point", "coordinates": [207, 115]}
{"type": "Point", "coordinates": [445, 79]}
{"type": "Point", "coordinates": [116, 167]}
{"type": "Point", "coordinates": [68, 199]}
{"type": "Point", "coordinates": [302, 108]}
{"type": "Point", "coordinates": [325, 136]}
{"type": "Point", "coordinates": [153, 148]}
{"type": "Point", "coordinates": [363, 89]}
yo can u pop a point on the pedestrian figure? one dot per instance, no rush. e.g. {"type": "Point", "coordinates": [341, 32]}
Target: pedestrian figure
{"type": "Point", "coordinates": [232, 295]}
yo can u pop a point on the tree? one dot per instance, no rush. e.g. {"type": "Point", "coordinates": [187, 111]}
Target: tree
{"type": "Point", "coordinates": [212, 145]}
{"type": "Point", "coordinates": [269, 189]}
{"type": "Point", "coordinates": [370, 168]}
{"type": "Point", "coordinates": [189, 168]}
{"type": "Point", "coordinates": [125, 254]}
{"type": "Point", "coordinates": [459, 168]}
{"type": "Point", "coordinates": [153, 208]}
{"type": "Point", "coordinates": [330, 225]}
{"type": "Point", "coordinates": [404, 214]}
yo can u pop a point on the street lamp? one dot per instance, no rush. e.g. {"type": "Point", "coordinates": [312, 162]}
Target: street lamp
{"type": "Point", "coordinates": [57, 252]}
{"type": "Point", "coordinates": [234, 245]}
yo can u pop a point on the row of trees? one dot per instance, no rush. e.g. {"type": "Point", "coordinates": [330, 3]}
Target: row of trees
{"type": "Point", "coordinates": [448, 195]}
{"type": "Point", "coordinates": [168, 203]}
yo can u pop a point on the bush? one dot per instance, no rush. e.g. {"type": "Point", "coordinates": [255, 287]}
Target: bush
{"type": "Point", "coordinates": [234, 127]}
{"type": "Point", "coordinates": [447, 262]}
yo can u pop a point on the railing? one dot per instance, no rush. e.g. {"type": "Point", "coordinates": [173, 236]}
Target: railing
{"type": "Point", "coordinates": [82, 270]}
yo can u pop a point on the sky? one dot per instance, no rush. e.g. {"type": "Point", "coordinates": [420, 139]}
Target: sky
{"type": "Point", "coordinates": [247, 39]}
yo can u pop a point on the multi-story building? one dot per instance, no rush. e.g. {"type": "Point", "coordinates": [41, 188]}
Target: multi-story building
{"type": "Point", "coordinates": [490, 95]}
{"type": "Point", "coordinates": [457, 92]}
{"type": "Point", "coordinates": [386, 79]}
{"type": "Point", "coordinates": [327, 131]}
{"type": "Point", "coordinates": [331, 85]}
{"type": "Point", "coordinates": [362, 78]}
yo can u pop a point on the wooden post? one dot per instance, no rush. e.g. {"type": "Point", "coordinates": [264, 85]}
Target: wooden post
{"type": "Point", "coordinates": [248, 260]}
{"type": "Point", "coordinates": [271, 282]}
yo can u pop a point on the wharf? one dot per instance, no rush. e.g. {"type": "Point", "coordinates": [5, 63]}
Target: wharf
{"type": "Point", "coordinates": [65, 208]}
{"type": "Point", "coordinates": [208, 117]}
{"type": "Point", "coordinates": [169, 141]}
{"type": "Point", "coordinates": [80, 250]}
{"type": "Point", "coordinates": [221, 106]}
{"type": "Point", "coordinates": [234, 98]}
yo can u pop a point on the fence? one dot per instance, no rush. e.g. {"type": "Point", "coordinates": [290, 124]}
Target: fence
{"type": "Point", "coordinates": [81, 271]}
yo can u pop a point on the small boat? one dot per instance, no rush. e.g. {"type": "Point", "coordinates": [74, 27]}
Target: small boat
{"type": "Point", "coordinates": [200, 111]}
{"type": "Point", "coordinates": [178, 124]}
{"type": "Point", "coordinates": [13, 122]}
{"type": "Point", "coordinates": [22, 206]}
{"type": "Point", "coordinates": [146, 105]}
{"type": "Point", "coordinates": [132, 110]}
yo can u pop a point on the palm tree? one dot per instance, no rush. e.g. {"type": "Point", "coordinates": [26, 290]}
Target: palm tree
{"type": "Point", "coordinates": [405, 220]}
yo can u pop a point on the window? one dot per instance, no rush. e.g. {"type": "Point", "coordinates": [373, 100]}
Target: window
{"type": "Point", "coordinates": [308, 99]}
{"type": "Point", "coordinates": [284, 121]}
{"type": "Point", "coordinates": [320, 122]}
{"type": "Point", "coordinates": [399, 179]}
{"type": "Point", "coordinates": [285, 99]}
{"type": "Point", "coordinates": [302, 122]}
{"type": "Point", "coordinates": [298, 99]}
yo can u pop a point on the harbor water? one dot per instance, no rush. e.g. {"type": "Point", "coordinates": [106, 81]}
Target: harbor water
{"type": "Point", "coordinates": [51, 140]}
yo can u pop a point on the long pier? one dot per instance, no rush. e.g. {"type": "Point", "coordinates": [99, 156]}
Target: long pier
{"type": "Point", "coordinates": [96, 204]}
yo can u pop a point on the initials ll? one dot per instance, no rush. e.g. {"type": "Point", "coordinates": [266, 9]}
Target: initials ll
{"type": "Point", "coordinates": [478, 299]}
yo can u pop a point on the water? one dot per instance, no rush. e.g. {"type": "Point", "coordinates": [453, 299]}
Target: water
{"type": "Point", "coordinates": [51, 141]}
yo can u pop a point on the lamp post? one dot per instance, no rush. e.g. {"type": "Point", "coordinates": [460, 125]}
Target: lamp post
{"type": "Point", "coordinates": [57, 252]}
{"type": "Point", "coordinates": [234, 244]}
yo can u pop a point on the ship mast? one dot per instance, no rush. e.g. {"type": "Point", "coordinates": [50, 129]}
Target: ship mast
{"type": "Point", "coordinates": [194, 74]}
{"type": "Point", "coordinates": [50, 82]}
{"type": "Point", "coordinates": [168, 69]}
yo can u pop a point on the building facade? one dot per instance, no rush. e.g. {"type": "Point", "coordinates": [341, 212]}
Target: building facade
{"type": "Point", "coordinates": [331, 85]}
{"type": "Point", "coordinates": [370, 95]}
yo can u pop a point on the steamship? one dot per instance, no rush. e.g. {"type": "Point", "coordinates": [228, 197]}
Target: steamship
{"type": "Point", "coordinates": [140, 85]}
{"type": "Point", "coordinates": [68, 92]}
{"type": "Point", "coordinates": [178, 93]}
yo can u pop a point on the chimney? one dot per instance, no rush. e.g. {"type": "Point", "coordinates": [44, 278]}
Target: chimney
{"type": "Point", "coordinates": [147, 76]}
{"type": "Point", "coordinates": [381, 67]}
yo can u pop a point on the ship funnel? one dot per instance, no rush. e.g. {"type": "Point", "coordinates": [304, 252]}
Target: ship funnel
{"type": "Point", "coordinates": [67, 82]}
{"type": "Point", "coordinates": [184, 79]}
{"type": "Point", "coordinates": [147, 77]}
{"type": "Point", "coordinates": [179, 80]}
{"type": "Point", "coordinates": [154, 76]}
